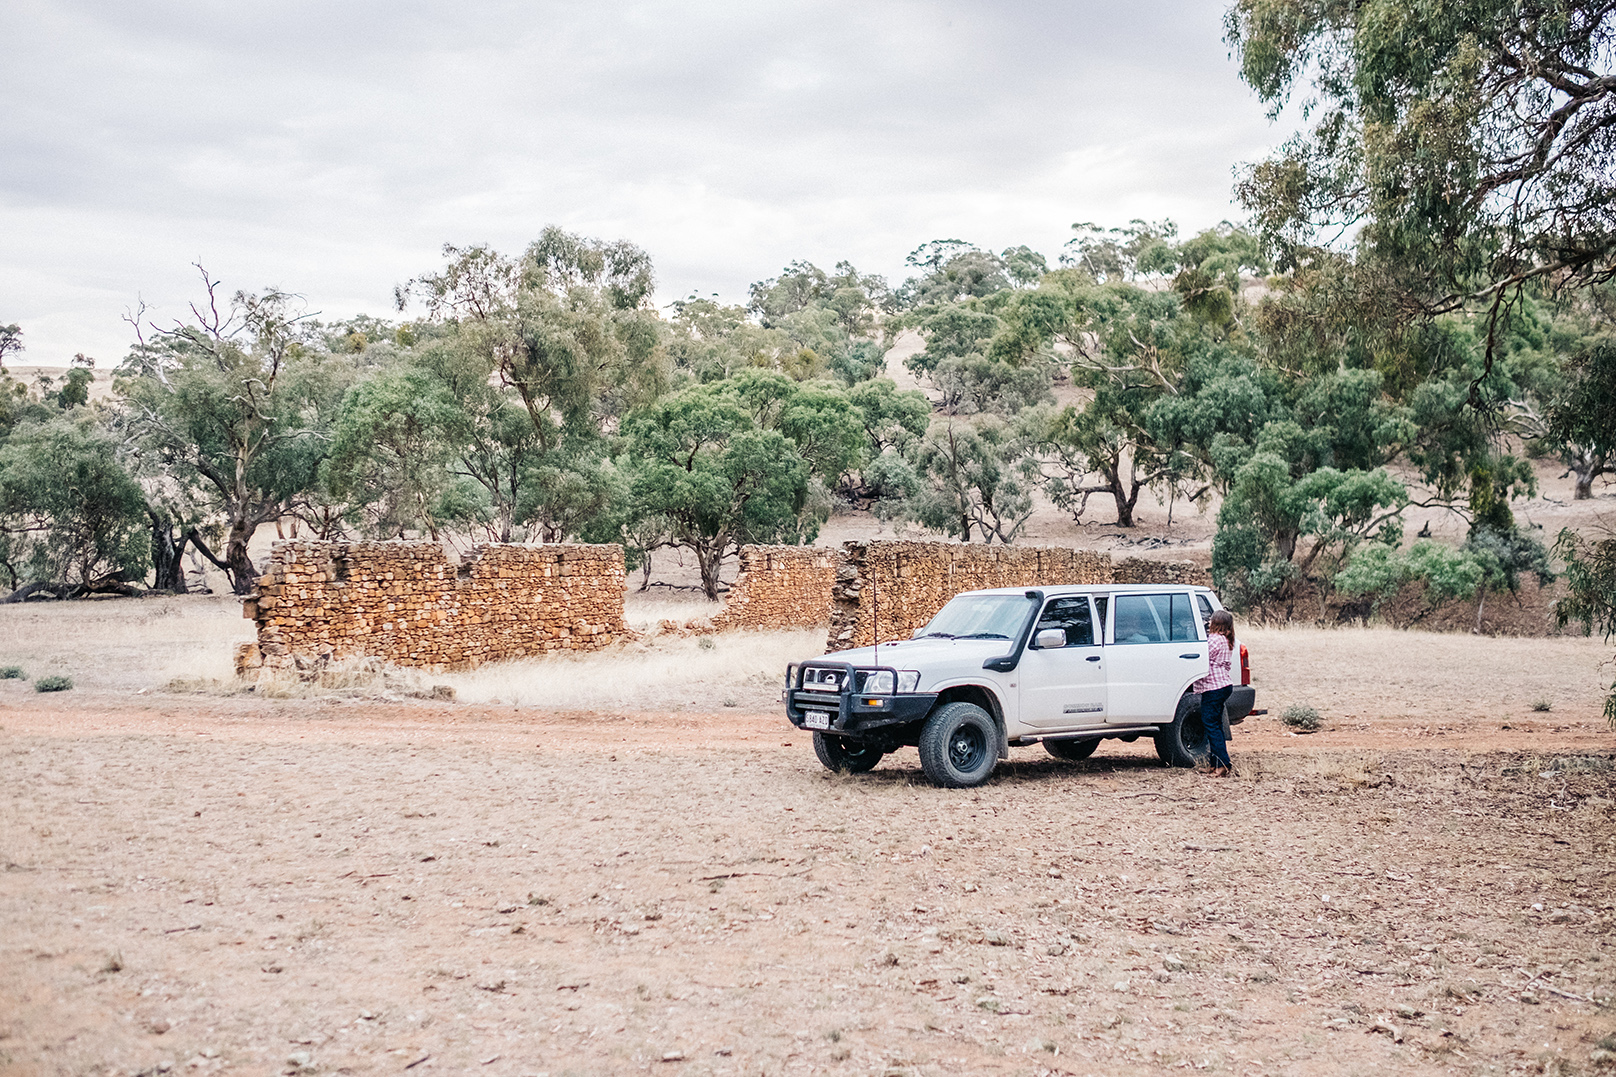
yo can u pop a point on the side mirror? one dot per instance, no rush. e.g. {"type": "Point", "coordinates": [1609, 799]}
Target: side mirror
{"type": "Point", "coordinates": [1050, 639]}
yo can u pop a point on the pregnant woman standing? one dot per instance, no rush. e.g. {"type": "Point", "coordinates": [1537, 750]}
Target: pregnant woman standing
{"type": "Point", "coordinates": [1216, 686]}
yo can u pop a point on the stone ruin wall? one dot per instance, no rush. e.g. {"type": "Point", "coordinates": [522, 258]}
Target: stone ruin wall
{"type": "Point", "coordinates": [407, 604]}
{"type": "Point", "coordinates": [780, 587]}
{"type": "Point", "coordinates": [905, 583]}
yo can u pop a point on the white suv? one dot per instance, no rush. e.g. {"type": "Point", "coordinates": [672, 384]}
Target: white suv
{"type": "Point", "coordinates": [1066, 666]}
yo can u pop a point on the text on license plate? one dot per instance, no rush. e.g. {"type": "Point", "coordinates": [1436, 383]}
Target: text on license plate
{"type": "Point", "coordinates": [816, 719]}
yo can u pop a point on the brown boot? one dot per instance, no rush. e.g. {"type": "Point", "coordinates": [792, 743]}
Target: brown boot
{"type": "Point", "coordinates": [1218, 772]}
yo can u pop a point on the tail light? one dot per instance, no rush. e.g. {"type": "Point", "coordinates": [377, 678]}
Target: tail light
{"type": "Point", "coordinates": [1245, 665]}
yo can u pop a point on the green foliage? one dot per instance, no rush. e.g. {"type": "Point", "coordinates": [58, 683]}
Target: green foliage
{"type": "Point", "coordinates": [1487, 562]}
{"type": "Point", "coordinates": [1379, 571]}
{"type": "Point", "coordinates": [54, 683]}
{"type": "Point", "coordinates": [75, 390]}
{"type": "Point", "coordinates": [1582, 413]}
{"type": "Point", "coordinates": [234, 408]}
{"type": "Point", "coordinates": [1141, 249]}
{"type": "Point", "coordinates": [1590, 574]}
{"type": "Point", "coordinates": [856, 299]}
{"type": "Point", "coordinates": [892, 418]}
{"type": "Point", "coordinates": [12, 673]}
{"type": "Point", "coordinates": [705, 460]}
{"type": "Point", "coordinates": [953, 270]}
{"type": "Point", "coordinates": [1279, 518]}
{"type": "Point", "coordinates": [808, 324]}
{"type": "Point", "coordinates": [1472, 168]}
{"type": "Point", "coordinates": [10, 343]}
{"type": "Point", "coordinates": [389, 458]}
{"type": "Point", "coordinates": [1466, 149]}
{"type": "Point", "coordinates": [971, 481]}
{"type": "Point", "coordinates": [70, 514]}
{"type": "Point", "coordinates": [1506, 555]}
{"type": "Point", "coordinates": [569, 326]}
{"type": "Point", "coordinates": [822, 424]}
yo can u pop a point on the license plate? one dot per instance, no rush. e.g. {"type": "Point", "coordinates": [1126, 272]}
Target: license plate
{"type": "Point", "coordinates": [816, 719]}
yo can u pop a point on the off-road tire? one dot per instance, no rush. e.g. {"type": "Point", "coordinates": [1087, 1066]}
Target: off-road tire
{"type": "Point", "coordinates": [959, 746]}
{"type": "Point", "coordinates": [1183, 744]}
{"type": "Point", "coordinates": [1073, 751]}
{"type": "Point", "coordinates": [846, 756]}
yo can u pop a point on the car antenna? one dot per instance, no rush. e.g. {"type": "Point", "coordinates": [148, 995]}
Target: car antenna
{"type": "Point", "coordinates": [875, 602]}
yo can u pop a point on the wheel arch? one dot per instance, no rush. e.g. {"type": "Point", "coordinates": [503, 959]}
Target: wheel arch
{"type": "Point", "coordinates": [983, 697]}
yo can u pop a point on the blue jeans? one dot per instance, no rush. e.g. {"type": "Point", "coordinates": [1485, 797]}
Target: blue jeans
{"type": "Point", "coordinates": [1212, 718]}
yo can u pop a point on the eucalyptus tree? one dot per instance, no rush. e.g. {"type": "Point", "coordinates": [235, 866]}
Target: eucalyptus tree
{"type": "Point", "coordinates": [1457, 163]}
{"type": "Point", "coordinates": [950, 270]}
{"type": "Point", "coordinates": [72, 519]}
{"type": "Point", "coordinates": [569, 327]}
{"type": "Point", "coordinates": [856, 300]}
{"type": "Point", "coordinates": [971, 479]}
{"type": "Point", "coordinates": [234, 406]}
{"type": "Point", "coordinates": [390, 454]}
{"type": "Point", "coordinates": [1590, 568]}
{"type": "Point", "coordinates": [699, 460]}
{"type": "Point", "coordinates": [1582, 414]}
{"type": "Point", "coordinates": [1469, 141]}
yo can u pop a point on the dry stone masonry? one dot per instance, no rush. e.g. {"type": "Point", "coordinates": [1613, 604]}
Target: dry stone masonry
{"type": "Point", "coordinates": [407, 604]}
{"type": "Point", "coordinates": [780, 587]}
{"type": "Point", "coordinates": [898, 586]}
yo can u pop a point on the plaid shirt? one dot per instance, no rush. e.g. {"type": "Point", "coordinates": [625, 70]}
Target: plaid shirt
{"type": "Point", "coordinates": [1219, 657]}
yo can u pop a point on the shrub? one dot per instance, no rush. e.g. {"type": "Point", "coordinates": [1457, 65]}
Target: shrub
{"type": "Point", "coordinates": [1542, 706]}
{"type": "Point", "coordinates": [12, 673]}
{"type": "Point", "coordinates": [1300, 716]}
{"type": "Point", "coordinates": [53, 684]}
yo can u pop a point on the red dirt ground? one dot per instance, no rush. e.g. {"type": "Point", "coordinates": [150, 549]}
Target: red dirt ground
{"type": "Point", "coordinates": [260, 887]}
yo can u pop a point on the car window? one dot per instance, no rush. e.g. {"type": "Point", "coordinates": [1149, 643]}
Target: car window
{"type": "Point", "coordinates": [1182, 622]}
{"type": "Point", "coordinates": [1206, 607]}
{"type": "Point", "coordinates": [1137, 620]}
{"type": "Point", "coordinates": [1071, 615]}
{"type": "Point", "coordinates": [981, 617]}
{"type": "Point", "coordinates": [1155, 619]}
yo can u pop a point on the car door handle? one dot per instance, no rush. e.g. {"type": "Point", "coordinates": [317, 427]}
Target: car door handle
{"type": "Point", "coordinates": [1092, 658]}
{"type": "Point", "coordinates": [1189, 656]}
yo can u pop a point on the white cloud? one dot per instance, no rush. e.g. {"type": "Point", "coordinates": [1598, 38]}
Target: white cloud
{"type": "Point", "coordinates": [331, 148]}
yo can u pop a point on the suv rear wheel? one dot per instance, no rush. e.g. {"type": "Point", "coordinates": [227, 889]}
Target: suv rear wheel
{"type": "Point", "coordinates": [959, 745]}
{"type": "Point", "coordinates": [848, 756]}
{"type": "Point", "coordinates": [1183, 744]}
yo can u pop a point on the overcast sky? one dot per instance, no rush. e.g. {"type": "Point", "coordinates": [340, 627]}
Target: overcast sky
{"type": "Point", "coordinates": [331, 148]}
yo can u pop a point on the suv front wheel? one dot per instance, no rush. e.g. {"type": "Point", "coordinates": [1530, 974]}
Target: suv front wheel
{"type": "Point", "coordinates": [959, 745]}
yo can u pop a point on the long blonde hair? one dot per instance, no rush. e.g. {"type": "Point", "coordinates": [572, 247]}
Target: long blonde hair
{"type": "Point", "coordinates": [1222, 621]}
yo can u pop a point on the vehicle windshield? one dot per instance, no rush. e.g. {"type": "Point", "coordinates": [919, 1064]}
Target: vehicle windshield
{"type": "Point", "coordinates": [980, 617]}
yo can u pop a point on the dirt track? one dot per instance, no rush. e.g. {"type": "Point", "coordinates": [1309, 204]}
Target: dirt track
{"type": "Point", "coordinates": [357, 887]}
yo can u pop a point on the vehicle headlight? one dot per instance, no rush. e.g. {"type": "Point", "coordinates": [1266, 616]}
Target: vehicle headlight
{"type": "Point", "coordinates": [880, 682]}
{"type": "Point", "coordinates": [876, 682]}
